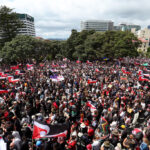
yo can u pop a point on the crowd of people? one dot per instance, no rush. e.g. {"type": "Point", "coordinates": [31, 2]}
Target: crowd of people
{"type": "Point", "coordinates": [106, 104]}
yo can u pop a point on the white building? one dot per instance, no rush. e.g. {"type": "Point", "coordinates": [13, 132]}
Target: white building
{"type": "Point", "coordinates": [97, 25]}
{"type": "Point", "coordinates": [28, 28]}
{"type": "Point", "coordinates": [129, 26]}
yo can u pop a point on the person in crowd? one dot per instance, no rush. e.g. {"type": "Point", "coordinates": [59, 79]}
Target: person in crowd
{"type": "Point", "coordinates": [103, 102]}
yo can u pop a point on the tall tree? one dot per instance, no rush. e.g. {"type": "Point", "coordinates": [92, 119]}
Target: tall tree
{"type": "Point", "coordinates": [20, 49]}
{"type": "Point", "coordinates": [9, 24]}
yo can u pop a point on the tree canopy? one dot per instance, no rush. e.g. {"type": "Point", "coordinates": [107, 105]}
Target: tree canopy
{"type": "Point", "coordinates": [93, 45]}
{"type": "Point", "coordinates": [9, 24]}
{"type": "Point", "coordinates": [24, 47]}
{"type": "Point", "coordinates": [85, 45]}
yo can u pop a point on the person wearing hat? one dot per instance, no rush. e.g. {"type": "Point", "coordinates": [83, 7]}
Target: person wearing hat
{"type": "Point", "coordinates": [16, 142]}
{"type": "Point", "coordinates": [118, 147]}
{"type": "Point", "coordinates": [107, 146]}
{"type": "Point", "coordinates": [114, 137]}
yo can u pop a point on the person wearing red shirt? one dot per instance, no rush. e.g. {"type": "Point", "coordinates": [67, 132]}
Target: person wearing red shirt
{"type": "Point", "coordinates": [90, 132]}
{"type": "Point", "coordinates": [71, 143]}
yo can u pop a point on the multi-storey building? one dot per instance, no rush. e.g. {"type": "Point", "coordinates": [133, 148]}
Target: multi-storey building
{"type": "Point", "coordinates": [129, 27]}
{"type": "Point", "coordinates": [28, 27]}
{"type": "Point", "coordinates": [97, 25]}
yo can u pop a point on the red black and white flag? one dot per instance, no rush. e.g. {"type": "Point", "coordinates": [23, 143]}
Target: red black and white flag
{"type": "Point", "coordinates": [89, 104]}
{"type": "Point", "coordinates": [146, 69]}
{"type": "Point", "coordinates": [14, 79]}
{"type": "Point", "coordinates": [90, 81]}
{"type": "Point", "coordinates": [19, 72]}
{"type": "Point", "coordinates": [125, 71]}
{"type": "Point", "coordinates": [43, 130]}
{"type": "Point", "coordinates": [4, 74]}
{"type": "Point", "coordinates": [54, 65]}
{"type": "Point", "coordinates": [29, 66]}
{"type": "Point", "coordinates": [3, 90]}
{"type": "Point", "coordinates": [3, 78]}
{"type": "Point", "coordinates": [143, 73]}
{"type": "Point", "coordinates": [88, 62]}
{"type": "Point", "coordinates": [144, 78]}
{"type": "Point", "coordinates": [14, 67]}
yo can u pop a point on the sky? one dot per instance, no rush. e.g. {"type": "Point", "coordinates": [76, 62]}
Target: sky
{"type": "Point", "coordinates": [56, 18]}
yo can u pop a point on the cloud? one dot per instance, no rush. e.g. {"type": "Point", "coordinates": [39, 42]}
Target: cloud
{"type": "Point", "coordinates": [56, 18]}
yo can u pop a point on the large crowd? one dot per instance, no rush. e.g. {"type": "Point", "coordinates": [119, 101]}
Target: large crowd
{"type": "Point", "coordinates": [106, 104]}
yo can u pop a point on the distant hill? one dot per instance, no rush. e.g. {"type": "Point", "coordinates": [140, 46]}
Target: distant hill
{"type": "Point", "coordinates": [57, 39]}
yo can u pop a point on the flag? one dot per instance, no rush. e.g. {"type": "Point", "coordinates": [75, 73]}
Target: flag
{"type": "Point", "coordinates": [136, 131]}
{"type": "Point", "coordinates": [13, 79]}
{"type": "Point", "coordinates": [89, 104]}
{"type": "Point", "coordinates": [124, 71]}
{"type": "Point", "coordinates": [4, 74]}
{"type": "Point", "coordinates": [19, 72]}
{"type": "Point", "coordinates": [3, 90]}
{"type": "Point", "coordinates": [78, 61]}
{"type": "Point", "coordinates": [91, 81]}
{"type": "Point", "coordinates": [140, 72]}
{"type": "Point", "coordinates": [88, 62]}
{"type": "Point", "coordinates": [10, 77]}
{"type": "Point", "coordinates": [104, 126]}
{"type": "Point", "coordinates": [142, 78]}
{"type": "Point", "coordinates": [146, 69]}
{"type": "Point", "coordinates": [64, 59]}
{"type": "Point", "coordinates": [54, 70]}
{"type": "Point", "coordinates": [56, 78]}
{"type": "Point", "coordinates": [54, 66]}
{"type": "Point", "coordinates": [63, 66]}
{"type": "Point", "coordinates": [14, 67]}
{"type": "Point", "coordinates": [3, 78]}
{"type": "Point", "coordinates": [42, 130]}
{"type": "Point", "coordinates": [29, 66]}
{"type": "Point", "coordinates": [136, 63]}
{"type": "Point", "coordinates": [144, 73]}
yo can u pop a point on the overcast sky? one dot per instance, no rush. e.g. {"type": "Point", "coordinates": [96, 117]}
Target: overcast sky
{"type": "Point", "coordinates": [56, 18]}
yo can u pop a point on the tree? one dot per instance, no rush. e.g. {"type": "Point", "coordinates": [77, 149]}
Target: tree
{"type": "Point", "coordinates": [9, 24]}
{"type": "Point", "coordinates": [148, 52]}
{"type": "Point", "coordinates": [23, 48]}
{"type": "Point", "coordinates": [19, 49]}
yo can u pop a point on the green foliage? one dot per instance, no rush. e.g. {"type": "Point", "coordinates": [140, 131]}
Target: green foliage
{"type": "Point", "coordinates": [23, 47]}
{"type": "Point", "coordinates": [148, 53]}
{"type": "Point", "coordinates": [93, 45]}
{"type": "Point", "coordinates": [148, 50]}
{"type": "Point", "coordinates": [9, 24]}
{"type": "Point", "coordinates": [19, 49]}
{"type": "Point", "coordinates": [85, 45]}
